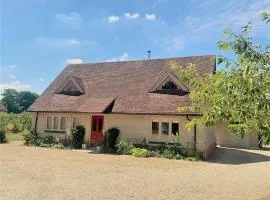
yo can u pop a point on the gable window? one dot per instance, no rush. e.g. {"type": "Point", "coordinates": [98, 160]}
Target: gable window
{"type": "Point", "coordinates": [155, 127]}
{"type": "Point", "coordinates": [175, 129]}
{"type": "Point", "coordinates": [165, 128]}
{"type": "Point", "coordinates": [169, 86]}
{"type": "Point", "coordinates": [75, 121]}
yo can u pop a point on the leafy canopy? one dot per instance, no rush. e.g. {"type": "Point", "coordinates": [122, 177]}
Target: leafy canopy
{"type": "Point", "coordinates": [17, 102]}
{"type": "Point", "coordinates": [238, 94]}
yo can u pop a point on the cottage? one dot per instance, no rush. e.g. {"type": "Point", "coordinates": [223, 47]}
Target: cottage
{"type": "Point", "coordinates": [139, 97]}
{"type": "Point", "coordinates": [2, 108]}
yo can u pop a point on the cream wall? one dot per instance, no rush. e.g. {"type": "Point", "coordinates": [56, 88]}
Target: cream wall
{"type": "Point", "coordinates": [135, 128]}
{"type": "Point", "coordinates": [225, 138]}
{"type": "Point", "coordinates": [85, 120]}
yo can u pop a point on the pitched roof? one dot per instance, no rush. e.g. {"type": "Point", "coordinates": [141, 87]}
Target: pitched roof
{"type": "Point", "coordinates": [3, 108]}
{"type": "Point", "coordinates": [127, 84]}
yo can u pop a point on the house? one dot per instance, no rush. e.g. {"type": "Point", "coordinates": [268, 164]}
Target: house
{"type": "Point", "coordinates": [139, 97]}
{"type": "Point", "coordinates": [2, 108]}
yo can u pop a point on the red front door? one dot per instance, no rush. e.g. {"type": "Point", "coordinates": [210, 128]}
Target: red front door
{"type": "Point", "coordinates": [96, 130]}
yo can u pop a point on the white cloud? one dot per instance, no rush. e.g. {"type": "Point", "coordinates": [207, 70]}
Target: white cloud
{"type": "Point", "coordinates": [17, 85]}
{"type": "Point", "coordinates": [41, 79]}
{"type": "Point", "coordinates": [150, 16]}
{"type": "Point", "coordinates": [132, 15]}
{"type": "Point", "coordinates": [174, 43]}
{"type": "Point", "coordinates": [71, 17]}
{"type": "Point", "coordinates": [12, 76]}
{"type": "Point", "coordinates": [57, 42]}
{"type": "Point", "coordinates": [74, 61]}
{"type": "Point", "coordinates": [113, 19]}
{"type": "Point", "coordinates": [12, 66]}
{"type": "Point", "coordinates": [123, 57]}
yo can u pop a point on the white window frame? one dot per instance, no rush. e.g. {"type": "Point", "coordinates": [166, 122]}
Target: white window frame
{"type": "Point", "coordinates": [59, 122]}
{"type": "Point", "coordinates": [152, 127]}
{"type": "Point", "coordinates": [179, 127]}
{"type": "Point", "coordinates": [72, 120]}
{"type": "Point", "coordinates": [165, 121]}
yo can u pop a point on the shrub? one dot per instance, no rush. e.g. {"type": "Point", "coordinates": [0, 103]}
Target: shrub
{"type": "Point", "coordinates": [78, 136]}
{"type": "Point", "coordinates": [3, 137]}
{"type": "Point", "coordinates": [32, 139]}
{"type": "Point", "coordinates": [124, 147]}
{"type": "Point", "coordinates": [140, 153]}
{"type": "Point", "coordinates": [110, 138]}
{"type": "Point", "coordinates": [58, 146]}
{"type": "Point", "coordinates": [167, 153]}
{"type": "Point", "coordinates": [49, 139]}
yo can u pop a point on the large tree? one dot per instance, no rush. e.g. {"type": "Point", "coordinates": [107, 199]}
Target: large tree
{"type": "Point", "coordinates": [17, 102]}
{"type": "Point", "coordinates": [239, 94]}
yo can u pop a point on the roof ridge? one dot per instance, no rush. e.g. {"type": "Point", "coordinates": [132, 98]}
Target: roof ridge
{"type": "Point", "coordinates": [154, 59]}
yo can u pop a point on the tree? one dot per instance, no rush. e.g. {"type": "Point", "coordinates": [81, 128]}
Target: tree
{"type": "Point", "coordinates": [238, 94]}
{"type": "Point", "coordinates": [17, 102]}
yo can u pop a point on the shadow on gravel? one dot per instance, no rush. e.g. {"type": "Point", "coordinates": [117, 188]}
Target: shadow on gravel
{"type": "Point", "coordinates": [234, 156]}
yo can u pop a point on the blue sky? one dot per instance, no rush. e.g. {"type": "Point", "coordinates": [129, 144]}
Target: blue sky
{"type": "Point", "coordinates": [40, 37]}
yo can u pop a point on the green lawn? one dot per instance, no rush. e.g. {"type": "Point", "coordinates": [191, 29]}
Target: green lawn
{"type": "Point", "coordinates": [15, 136]}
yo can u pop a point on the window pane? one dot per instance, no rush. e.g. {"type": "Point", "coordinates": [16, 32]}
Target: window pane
{"type": "Point", "coordinates": [49, 122]}
{"type": "Point", "coordinates": [155, 127]}
{"type": "Point", "coordinates": [75, 122]}
{"type": "Point", "coordinates": [100, 124]}
{"type": "Point", "coordinates": [169, 86]}
{"type": "Point", "coordinates": [63, 123]}
{"type": "Point", "coordinates": [55, 123]}
{"type": "Point", "coordinates": [175, 128]}
{"type": "Point", "coordinates": [165, 128]}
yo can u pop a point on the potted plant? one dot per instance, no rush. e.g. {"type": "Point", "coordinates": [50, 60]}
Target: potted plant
{"type": "Point", "coordinates": [99, 146]}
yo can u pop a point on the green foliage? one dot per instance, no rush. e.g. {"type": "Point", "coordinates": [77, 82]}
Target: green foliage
{"type": "Point", "coordinates": [3, 137]}
{"type": "Point", "coordinates": [15, 123]}
{"type": "Point", "coordinates": [32, 139]}
{"type": "Point", "coordinates": [110, 138]}
{"type": "Point", "coordinates": [124, 147]}
{"type": "Point", "coordinates": [17, 102]}
{"type": "Point", "coordinates": [238, 94]}
{"type": "Point", "coordinates": [78, 136]}
{"type": "Point", "coordinates": [140, 153]}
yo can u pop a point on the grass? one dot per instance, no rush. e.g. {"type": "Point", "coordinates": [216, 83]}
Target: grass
{"type": "Point", "coordinates": [15, 136]}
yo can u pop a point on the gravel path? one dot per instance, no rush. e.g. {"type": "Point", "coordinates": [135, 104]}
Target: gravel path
{"type": "Point", "coordinates": [36, 173]}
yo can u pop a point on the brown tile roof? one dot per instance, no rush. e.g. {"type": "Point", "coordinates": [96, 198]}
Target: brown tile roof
{"type": "Point", "coordinates": [128, 82]}
{"type": "Point", "coordinates": [3, 108]}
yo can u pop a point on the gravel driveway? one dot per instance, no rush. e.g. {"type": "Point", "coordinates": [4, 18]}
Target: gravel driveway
{"type": "Point", "coordinates": [37, 173]}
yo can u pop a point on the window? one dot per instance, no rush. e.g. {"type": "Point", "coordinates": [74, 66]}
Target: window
{"type": "Point", "coordinates": [175, 128]}
{"type": "Point", "coordinates": [63, 123]}
{"type": "Point", "coordinates": [169, 86]}
{"type": "Point", "coordinates": [55, 122]}
{"type": "Point", "coordinates": [75, 121]}
{"type": "Point", "coordinates": [165, 128]}
{"type": "Point", "coordinates": [49, 122]}
{"type": "Point", "coordinates": [155, 127]}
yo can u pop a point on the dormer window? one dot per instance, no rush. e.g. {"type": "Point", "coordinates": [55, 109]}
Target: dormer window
{"type": "Point", "coordinates": [72, 86]}
{"type": "Point", "coordinates": [169, 86]}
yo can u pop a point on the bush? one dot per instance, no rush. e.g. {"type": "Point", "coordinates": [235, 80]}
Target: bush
{"type": "Point", "coordinates": [140, 153]}
{"type": "Point", "coordinates": [124, 147]}
{"type": "Point", "coordinates": [49, 139]}
{"type": "Point", "coordinates": [110, 138]}
{"type": "Point", "coordinates": [15, 122]}
{"type": "Point", "coordinates": [32, 139]}
{"type": "Point", "coordinates": [167, 153]}
{"type": "Point", "coordinates": [3, 137]}
{"type": "Point", "coordinates": [78, 136]}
